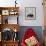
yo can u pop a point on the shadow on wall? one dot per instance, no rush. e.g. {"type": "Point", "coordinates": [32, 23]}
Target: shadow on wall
{"type": "Point", "coordinates": [37, 29]}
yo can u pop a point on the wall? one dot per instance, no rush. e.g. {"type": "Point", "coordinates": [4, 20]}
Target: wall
{"type": "Point", "coordinates": [27, 3]}
{"type": "Point", "coordinates": [39, 13]}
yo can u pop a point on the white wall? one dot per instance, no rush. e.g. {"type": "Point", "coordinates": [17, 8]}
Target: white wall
{"type": "Point", "coordinates": [39, 13]}
{"type": "Point", "coordinates": [27, 3]}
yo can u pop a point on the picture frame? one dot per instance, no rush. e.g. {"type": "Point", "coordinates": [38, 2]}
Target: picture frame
{"type": "Point", "coordinates": [5, 12]}
{"type": "Point", "coordinates": [13, 20]}
{"type": "Point", "coordinates": [30, 13]}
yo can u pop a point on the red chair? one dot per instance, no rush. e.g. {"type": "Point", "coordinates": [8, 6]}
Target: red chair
{"type": "Point", "coordinates": [29, 33]}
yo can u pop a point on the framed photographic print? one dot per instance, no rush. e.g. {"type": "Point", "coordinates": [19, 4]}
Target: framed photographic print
{"type": "Point", "coordinates": [13, 20]}
{"type": "Point", "coordinates": [30, 13]}
{"type": "Point", "coordinates": [5, 12]}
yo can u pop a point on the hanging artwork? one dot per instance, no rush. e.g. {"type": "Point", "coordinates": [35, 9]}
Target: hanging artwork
{"type": "Point", "coordinates": [30, 13]}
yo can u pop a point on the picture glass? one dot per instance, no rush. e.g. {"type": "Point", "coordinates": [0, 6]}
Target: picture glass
{"type": "Point", "coordinates": [30, 13]}
{"type": "Point", "coordinates": [5, 12]}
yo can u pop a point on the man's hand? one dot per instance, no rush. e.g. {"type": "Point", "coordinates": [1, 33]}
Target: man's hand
{"type": "Point", "coordinates": [32, 41]}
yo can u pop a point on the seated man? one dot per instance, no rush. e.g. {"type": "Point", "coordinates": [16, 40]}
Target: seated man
{"type": "Point", "coordinates": [30, 38]}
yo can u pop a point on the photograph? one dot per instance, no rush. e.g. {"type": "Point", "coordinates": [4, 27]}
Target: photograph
{"type": "Point", "coordinates": [30, 13]}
